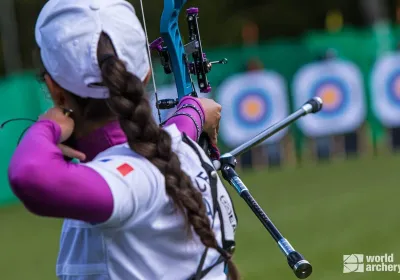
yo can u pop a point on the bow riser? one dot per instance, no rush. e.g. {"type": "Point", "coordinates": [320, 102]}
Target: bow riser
{"type": "Point", "coordinates": [175, 59]}
{"type": "Point", "coordinates": [175, 55]}
{"type": "Point", "coordinates": [169, 28]}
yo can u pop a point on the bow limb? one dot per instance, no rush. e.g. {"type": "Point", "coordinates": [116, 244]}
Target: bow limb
{"type": "Point", "coordinates": [169, 29]}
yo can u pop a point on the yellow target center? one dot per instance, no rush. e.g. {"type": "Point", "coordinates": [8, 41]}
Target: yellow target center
{"type": "Point", "coordinates": [329, 96]}
{"type": "Point", "coordinates": [252, 108]}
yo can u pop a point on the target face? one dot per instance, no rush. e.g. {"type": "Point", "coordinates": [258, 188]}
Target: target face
{"type": "Point", "coordinates": [385, 90]}
{"type": "Point", "coordinates": [251, 102]}
{"type": "Point", "coordinates": [340, 86]}
{"type": "Point", "coordinates": [253, 107]}
{"type": "Point", "coordinates": [393, 91]}
{"type": "Point", "coordinates": [334, 94]}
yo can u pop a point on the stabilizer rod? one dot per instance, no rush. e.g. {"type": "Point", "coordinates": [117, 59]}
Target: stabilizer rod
{"type": "Point", "coordinates": [227, 163]}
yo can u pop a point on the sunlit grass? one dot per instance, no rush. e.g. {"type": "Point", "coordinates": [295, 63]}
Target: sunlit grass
{"type": "Point", "coordinates": [325, 211]}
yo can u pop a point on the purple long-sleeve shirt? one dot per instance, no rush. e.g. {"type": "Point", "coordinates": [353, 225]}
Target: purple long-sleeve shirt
{"type": "Point", "coordinates": [50, 186]}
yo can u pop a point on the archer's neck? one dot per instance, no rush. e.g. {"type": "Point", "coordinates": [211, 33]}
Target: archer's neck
{"type": "Point", "coordinates": [99, 139]}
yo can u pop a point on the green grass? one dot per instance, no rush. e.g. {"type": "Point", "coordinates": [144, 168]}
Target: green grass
{"type": "Point", "coordinates": [325, 211]}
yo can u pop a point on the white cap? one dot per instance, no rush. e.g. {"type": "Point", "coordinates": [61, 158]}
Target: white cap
{"type": "Point", "coordinates": [68, 32]}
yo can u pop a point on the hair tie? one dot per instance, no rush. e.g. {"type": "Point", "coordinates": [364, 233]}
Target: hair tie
{"type": "Point", "coordinates": [104, 58]}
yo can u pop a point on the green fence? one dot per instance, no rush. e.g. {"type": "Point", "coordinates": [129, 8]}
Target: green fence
{"type": "Point", "coordinates": [22, 96]}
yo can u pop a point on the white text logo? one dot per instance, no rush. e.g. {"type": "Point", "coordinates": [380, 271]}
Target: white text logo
{"type": "Point", "coordinates": [364, 263]}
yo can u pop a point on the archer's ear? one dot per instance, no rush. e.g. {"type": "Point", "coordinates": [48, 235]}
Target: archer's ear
{"type": "Point", "coordinates": [56, 92]}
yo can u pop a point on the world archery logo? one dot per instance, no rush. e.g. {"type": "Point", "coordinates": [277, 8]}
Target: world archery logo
{"type": "Point", "coordinates": [370, 263]}
{"type": "Point", "coordinates": [353, 263]}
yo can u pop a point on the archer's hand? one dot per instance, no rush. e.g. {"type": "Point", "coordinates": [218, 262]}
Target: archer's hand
{"type": "Point", "coordinates": [212, 112]}
{"type": "Point", "coordinates": [57, 115]}
{"type": "Point", "coordinates": [71, 153]}
{"type": "Point", "coordinates": [67, 127]}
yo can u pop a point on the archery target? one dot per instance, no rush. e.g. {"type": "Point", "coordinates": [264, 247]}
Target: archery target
{"type": "Point", "coordinates": [251, 102]}
{"type": "Point", "coordinates": [385, 90]}
{"type": "Point", "coordinates": [334, 93]}
{"type": "Point", "coordinates": [253, 107]}
{"type": "Point", "coordinates": [393, 90]}
{"type": "Point", "coordinates": [340, 85]}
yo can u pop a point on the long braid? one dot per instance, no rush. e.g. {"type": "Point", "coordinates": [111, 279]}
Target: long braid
{"type": "Point", "coordinates": [129, 103]}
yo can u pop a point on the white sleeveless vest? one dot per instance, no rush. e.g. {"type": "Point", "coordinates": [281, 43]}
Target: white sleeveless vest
{"type": "Point", "coordinates": [145, 239]}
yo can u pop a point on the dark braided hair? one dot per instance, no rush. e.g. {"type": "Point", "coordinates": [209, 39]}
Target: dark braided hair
{"type": "Point", "coordinates": [129, 104]}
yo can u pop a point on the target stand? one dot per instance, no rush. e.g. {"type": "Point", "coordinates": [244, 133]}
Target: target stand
{"type": "Point", "coordinates": [270, 155]}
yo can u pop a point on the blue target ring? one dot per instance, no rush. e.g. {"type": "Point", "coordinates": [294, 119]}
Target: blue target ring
{"type": "Point", "coordinates": [335, 95]}
{"type": "Point", "coordinates": [393, 88]}
{"type": "Point", "coordinates": [253, 108]}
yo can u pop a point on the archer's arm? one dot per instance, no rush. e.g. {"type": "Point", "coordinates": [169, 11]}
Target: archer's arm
{"type": "Point", "coordinates": [189, 117]}
{"type": "Point", "coordinates": [50, 186]}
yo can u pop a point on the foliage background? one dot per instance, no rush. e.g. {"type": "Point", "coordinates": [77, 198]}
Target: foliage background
{"type": "Point", "coordinates": [222, 20]}
{"type": "Point", "coordinates": [325, 210]}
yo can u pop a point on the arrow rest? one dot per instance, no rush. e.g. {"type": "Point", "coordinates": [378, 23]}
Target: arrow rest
{"type": "Point", "coordinates": [165, 104]}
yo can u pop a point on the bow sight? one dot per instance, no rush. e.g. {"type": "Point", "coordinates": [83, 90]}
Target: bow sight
{"type": "Point", "coordinates": [200, 66]}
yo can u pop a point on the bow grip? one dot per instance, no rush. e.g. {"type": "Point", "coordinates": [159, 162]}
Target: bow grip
{"type": "Point", "coordinates": [204, 143]}
{"type": "Point", "coordinates": [211, 150]}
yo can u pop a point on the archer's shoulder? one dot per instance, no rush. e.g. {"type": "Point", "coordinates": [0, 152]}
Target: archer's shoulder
{"type": "Point", "coordinates": [123, 163]}
{"type": "Point", "coordinates": [175, 133]}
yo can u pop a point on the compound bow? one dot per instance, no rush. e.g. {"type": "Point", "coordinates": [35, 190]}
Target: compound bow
{"type": "Point", "coordinates": [175, 59]}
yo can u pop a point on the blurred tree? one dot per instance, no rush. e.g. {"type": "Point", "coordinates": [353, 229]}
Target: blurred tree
{"type": "Point", "coordinates": [250, 33]}
{"type": "Point", "coordinates": [27, 13]}
{"type": "Point", "coordinates": [221, 21]}
{"type": "Point", "coordinates": [334, 21]}
{"type": "Point", "coordinates": [10, 37]}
